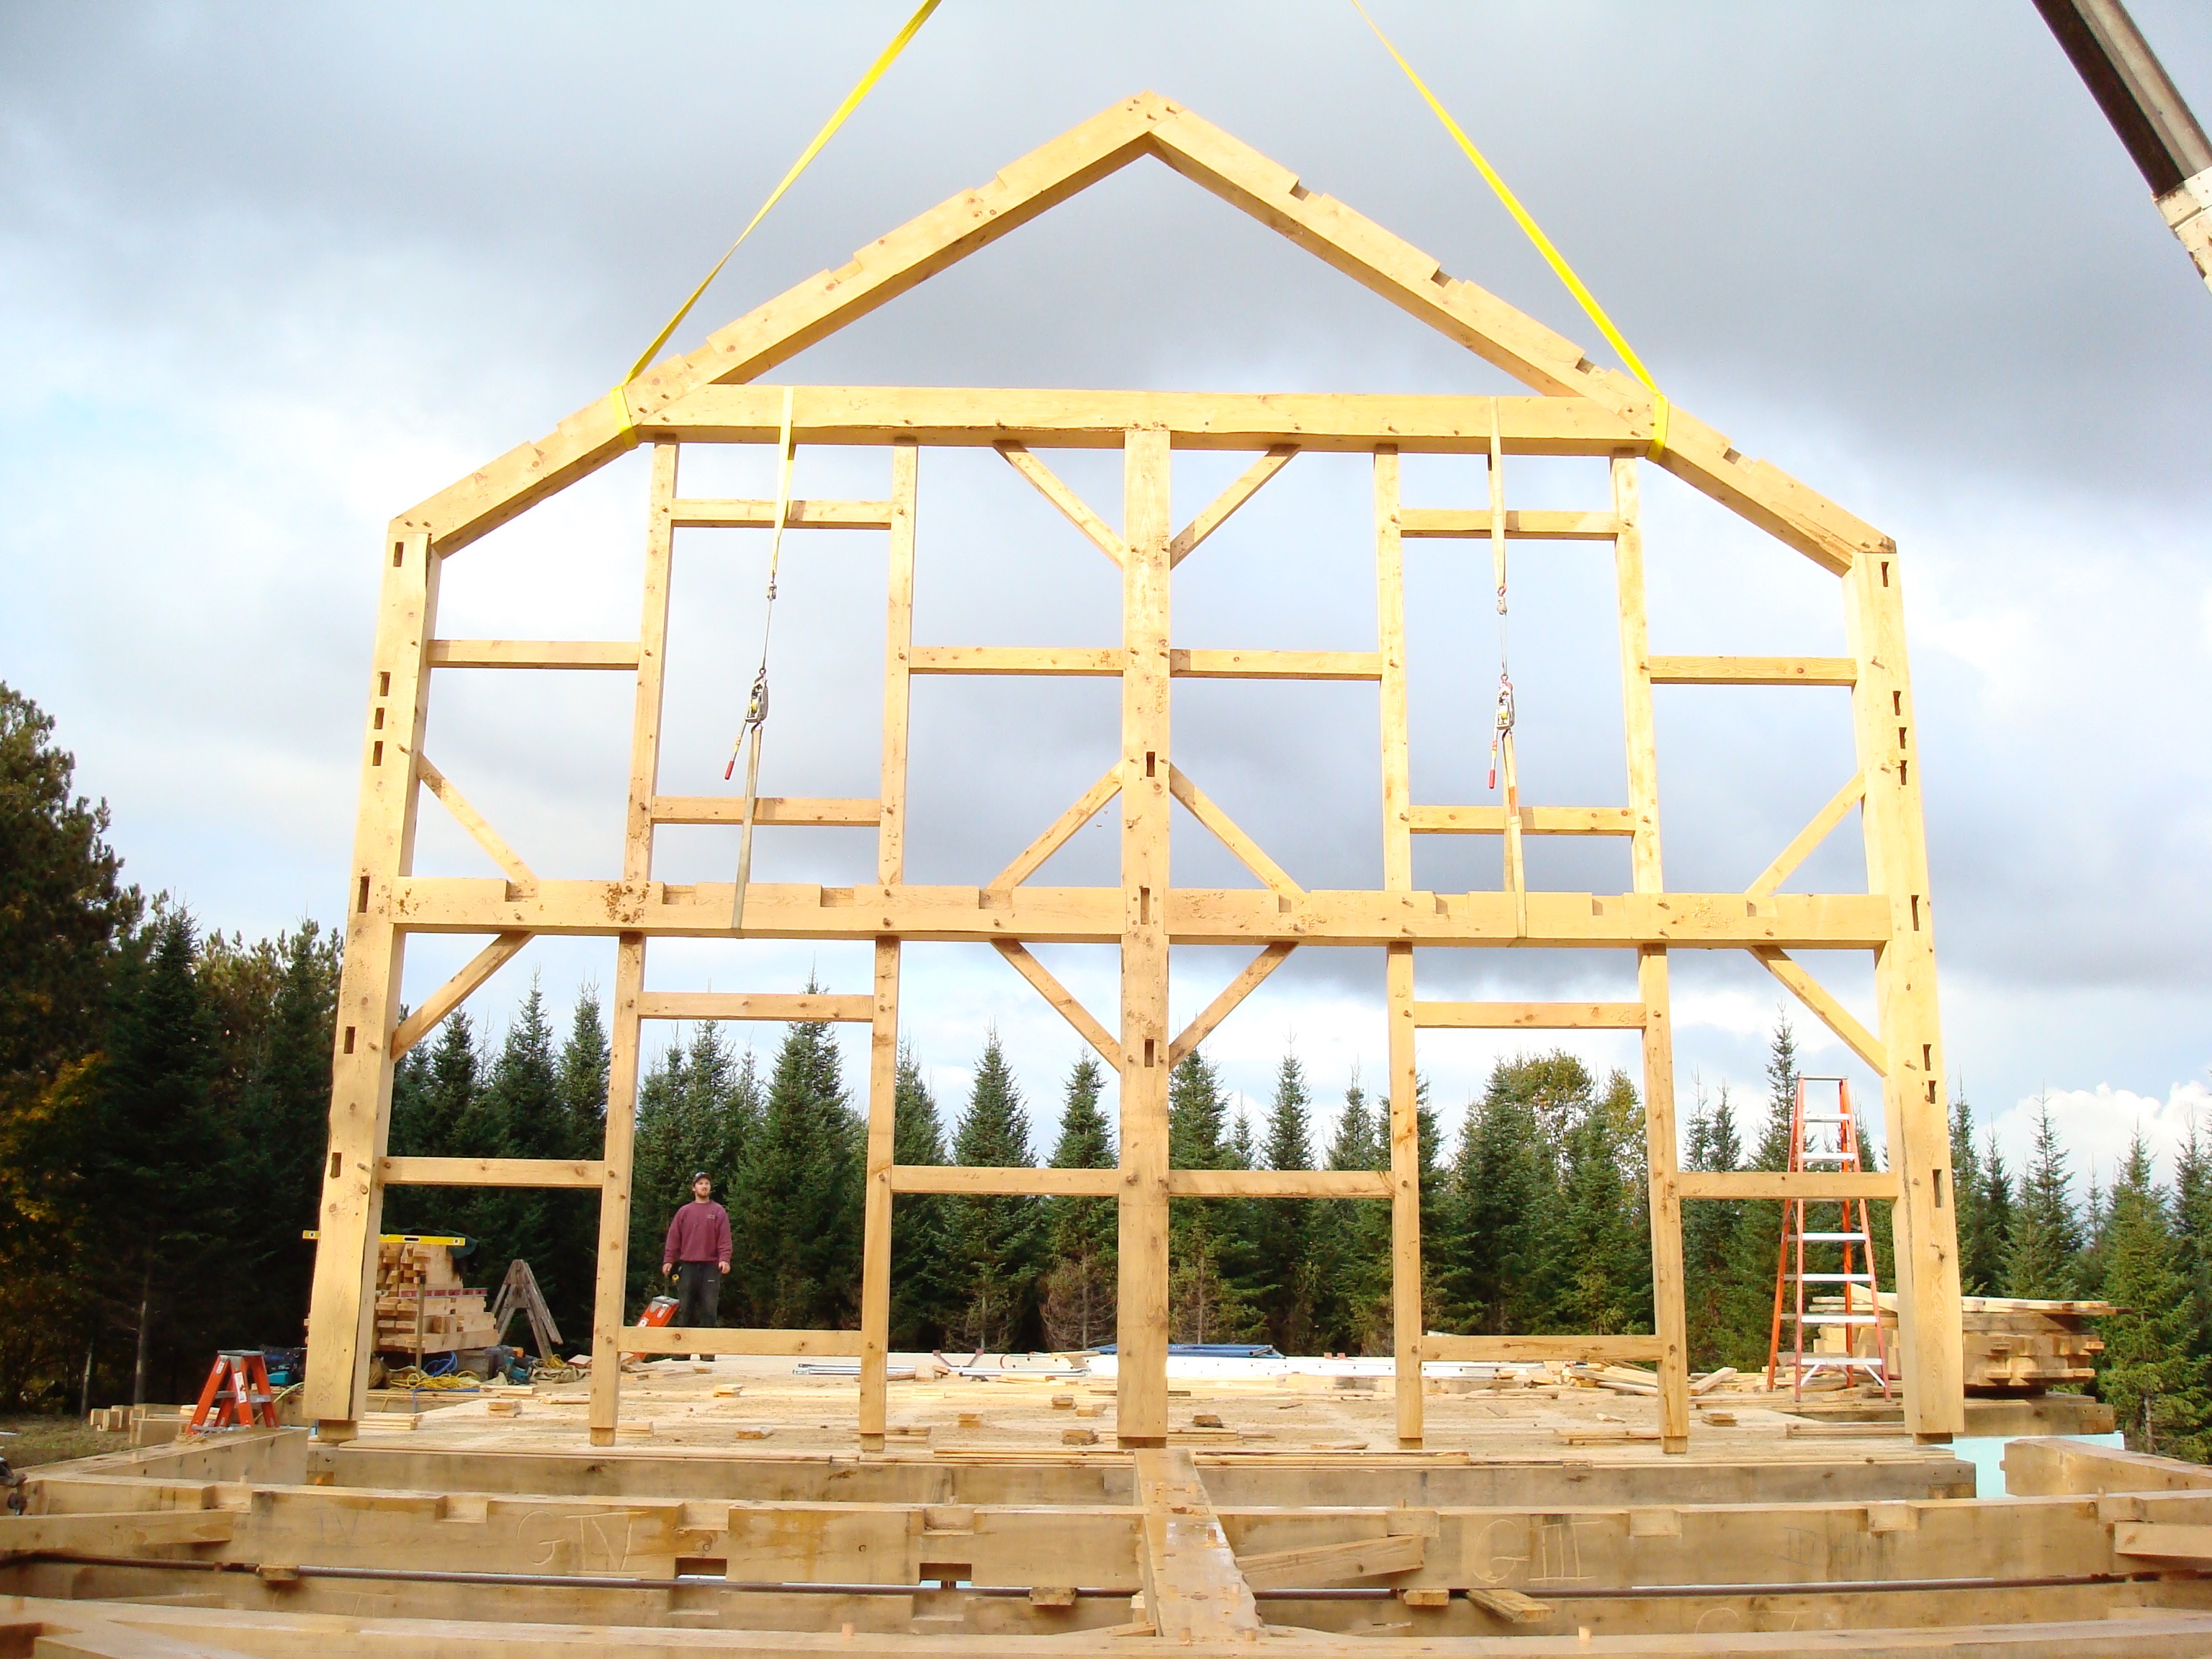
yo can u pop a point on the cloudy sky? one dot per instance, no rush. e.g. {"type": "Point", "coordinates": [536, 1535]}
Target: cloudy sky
{"type": "Point", "coordinates": [269, 276]}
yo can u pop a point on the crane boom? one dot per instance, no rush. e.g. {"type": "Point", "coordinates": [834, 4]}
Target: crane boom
{"type": "Point", "coordinates": [2145, 110]}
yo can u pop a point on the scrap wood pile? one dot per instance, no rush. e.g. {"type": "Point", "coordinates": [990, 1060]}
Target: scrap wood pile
{"type": "Point", "coordinates": [416, 1276]}
{"type": "Point", "coordinates": [2017, 1346]}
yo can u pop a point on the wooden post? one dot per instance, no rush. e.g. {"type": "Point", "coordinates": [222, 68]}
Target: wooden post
{"type": "Point", "coordinates": [883, 1037]}
{"type": "Point", "coordinates": [1141, 1402]}
{"type": "Point", "coordinates": [341, 1314]}
{"type": "Point", "coordinates": [1925, 1216]}
{"type": "Point", "coordinates": [612, 1288]}
{"type": "Point", "coordinates": [1669, 1312]}
{"type": "Point", "coordinates": [1398, 876]}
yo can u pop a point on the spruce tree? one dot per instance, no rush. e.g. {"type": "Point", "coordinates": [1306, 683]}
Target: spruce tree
{"type": "Point", "coordinates": [2192, 1233]}
{"type": "Point", "coordinates": [997, 1242]}
{"type": "Point", "coordinates": [1291, 1295]}
{"type": "Point", "coordinates": [1708, 1224]}
{"type": "Point", "coordinates": [518, 1114]}
{"type": "Point", "coordinates": [579, 1086]}
{"type": "Point", "coordinates": [1501, 1187]}
{"type": "Point", "coordinates": [1981, 1248]}
{"type": "Point", "coordinates": [160, 1158]}
{"type": "Point", "coordinates": [1598, 1270]}
{"type": "Point", "coordinates": [922, 1299]}
{"type": "Point", "coordinates": [2041, 1259]}
{"type": "Point", "coordinates": [796, 1219]}
{"type": "Point", "coordinates": [283, 1121]}
{"type": "Point", "coordinates": [1205, 1302]}
{"type": "Point", "coordinates": [2154, 1384]}
{"type": "Point", "coordinates": [1748, 1305]}
{"type": "Point", "coordinates": [1356, 1233]}
{"type": "Point", "coordinates": [1080, 1288]}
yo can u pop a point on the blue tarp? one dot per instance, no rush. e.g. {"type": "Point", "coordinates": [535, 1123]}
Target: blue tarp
{"type": "Point", "coordinates": [1214, 1351]}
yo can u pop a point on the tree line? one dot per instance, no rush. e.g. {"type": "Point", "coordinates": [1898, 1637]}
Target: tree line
{"type": "Point", "coordinates": [165, 1090]}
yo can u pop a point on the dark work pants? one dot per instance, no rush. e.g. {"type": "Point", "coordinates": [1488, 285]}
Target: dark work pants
{"type": "Point", "coordinates": [698, 1288]}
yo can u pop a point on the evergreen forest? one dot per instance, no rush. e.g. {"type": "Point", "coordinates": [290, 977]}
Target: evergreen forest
{"type": "Point", "coordinates": [164, 1091]}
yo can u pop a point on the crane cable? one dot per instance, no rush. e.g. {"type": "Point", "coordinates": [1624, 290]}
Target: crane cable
{"type": "Point", "coordinates": [749, 731]}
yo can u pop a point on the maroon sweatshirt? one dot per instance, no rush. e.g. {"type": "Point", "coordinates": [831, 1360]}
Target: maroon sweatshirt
{"type": "Point", "coordinates": [701, 1232]}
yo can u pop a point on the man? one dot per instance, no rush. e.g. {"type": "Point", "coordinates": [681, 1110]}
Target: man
{"type": "Point", "coordinates": [697, 1255]}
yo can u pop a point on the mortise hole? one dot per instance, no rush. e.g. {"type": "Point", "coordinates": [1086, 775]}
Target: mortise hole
{"type": "Point", "coordinates": [1926, 1056]}
{"type": "Point", "coordinates": [1884, 573]}
{"type": "Point", "coordinates": [337, 1164]}
{"type": "Point", "coordinates": [1896, 704]}
{"type": "Point", "coordinates": [384, 686]}
{"type": "Point", "coordinates": [1939, 1188]}
{"type": "Point", "coordinates": [363, 904]}
{"type": "Point", "coordinates": [378, 722]}
{"type": "Point", "coordinates": [1900, 736]}
{"type": "Point", "coordinates": [1916, 912]}
{"type": "Point", "coordinates": [1144, 907]}
{"type": "Point", "coordinates": [376, 753]}
{"type": "Point", "coordinates": [1299, 193]}
{"type": "Point", "coordinates": [1149, 1052]}
{"type": "Point", "coordinates": [349, 1039]}
{"type": "Point", "coordinates": [1904, 773]}
{"type": "Point", "coordinates": [1151, 757]}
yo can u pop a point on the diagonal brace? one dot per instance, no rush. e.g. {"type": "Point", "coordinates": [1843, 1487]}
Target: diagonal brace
{"type": "Point", "coordinates": [1246, 487]}
{"type": "Point", "coordinates": [1033, 856]}
{"type": "Point", "coordinates": [1831, 1012]}
{"type": "Point", "coordinates": [1224, 1004]}
{"type": "Point", "coordinates": [1226, 829]}
{"type": "Point", "coordinates": [1809, 837]}
{"type": "Point", "coordinates": [1050, 487]}
{"type": "Point", "coordinates": [473, 821]}
{"type": "Point", "coordinates": [1062, 998]}
{"type": "Point", "coordinates": [456, 991]}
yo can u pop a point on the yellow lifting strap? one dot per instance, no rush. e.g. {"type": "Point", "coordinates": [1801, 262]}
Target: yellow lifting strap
{"type": "Point", "coordinates": [1557, 260]}
{"type": "Point", "coordinates": [619, 397]}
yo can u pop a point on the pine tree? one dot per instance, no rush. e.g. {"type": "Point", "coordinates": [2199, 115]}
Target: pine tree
{"type": "Point", "coordinates": [997, 1242]}
{"type": "Point", "coordinates": [922, 1299]}
{"type": "Point", "coordinates": [2156, 1386]}
{"type": "Point", "coordinates": [1291, 1294]}
{"type": "Point", "coordinates": [798, 1217]}
{"type": "Point", "coordinates": [1081, 1289]}
{"type": "Point", "coordinates": [2041, 1258]}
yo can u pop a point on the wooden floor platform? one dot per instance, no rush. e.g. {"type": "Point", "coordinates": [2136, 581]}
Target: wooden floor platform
{"type": "Point", "coordinates": [739, 1515]}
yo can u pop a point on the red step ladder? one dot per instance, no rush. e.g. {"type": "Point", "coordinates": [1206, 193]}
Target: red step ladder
{"type": "Point", "coordinates": [237, 1394]}
{"type": "Point", "coordinates": [1825, 1141]}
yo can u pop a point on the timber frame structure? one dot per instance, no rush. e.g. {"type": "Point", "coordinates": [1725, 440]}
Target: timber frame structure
{"type": "Point", "coordinates": [710, 395]}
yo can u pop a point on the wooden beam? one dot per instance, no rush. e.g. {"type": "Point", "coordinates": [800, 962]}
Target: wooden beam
{"type": "Point", "coordinates": [1193, 1593]}
{"type": "Point", "coordinates": [1061, 999]}
{"type": "Point", "coordinates": [1217, 513]}
{"type": "Point", "coordinates": [1529, 1016]}
{"type": "Point", "coordinates": [454, 992]}
{"type": "Point", "coordinates": [1141, 1306]}
{"type": "Point", "coordinates": [1275, 664]}
{"type": "Point", "coordinates": [1255, 971]}
{"type": "Point", "coordinates": [1078, 661]}
{"type": "Point", "coordinates": [1811, 1185]}
{"type": "Point", "coordinates": [494, 1172]}
{"type": "Point", "coordinates": [533, 654]}
{"type": "Point", "coordinates": [673, 1339]}
{"type": "Point", "coordinates": [790, 811]}
{"type": "Point", "coordinates": [473, 821]}
{"type": "Point", "coordinates": [1670, 1289]}
{"type": "Point", "coordinates": [1086, 807]}
{"type": "Point", "coordinates": [1007, 1181]}
{"type": "Point", "coordinates": [1831, 1012]}
{"type": "Point", "coordinates": [1227, 831]}
{"type": "Point", "coordinates": [1522, 524]}
{"type": "Point", "coordinates": [126, 1532]}
{"type": "Point", "coordinates": [1753, 670]}
{"type": "Point", "coordinates": [1534, 821]}
{"type": "Point", "coordinates": [1801, 845]}
{"type": "Point", "coordinates": [1072, 506]}
{"type": "Point", "coordinates": [800, 1008]}
{"type": "Point", "coordinates": [1593, 1350]}
{"type": "Point", "coordinates": [973, 418]}
{"type": "Point", "coordinates": [798, 514]}
{"type": "Point", "coordinates": [1317, 1565]}
{"type": "Point", "coordinates": [1194, 916]}
{"type": "Point", "coordinates": [1279, 1183]}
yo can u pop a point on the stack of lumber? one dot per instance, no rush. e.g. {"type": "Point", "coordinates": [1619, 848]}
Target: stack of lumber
{"type": "Point", "coordinates": [453, 1316]}
{"type": "Point", "coordinates": [2015, 1345]}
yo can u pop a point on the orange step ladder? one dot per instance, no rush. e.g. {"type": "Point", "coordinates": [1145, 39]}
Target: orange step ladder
{"type": "Point", "coordinates": [237, 1394]}
{"type": "Point", "coordinates": [1825, 1141]}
